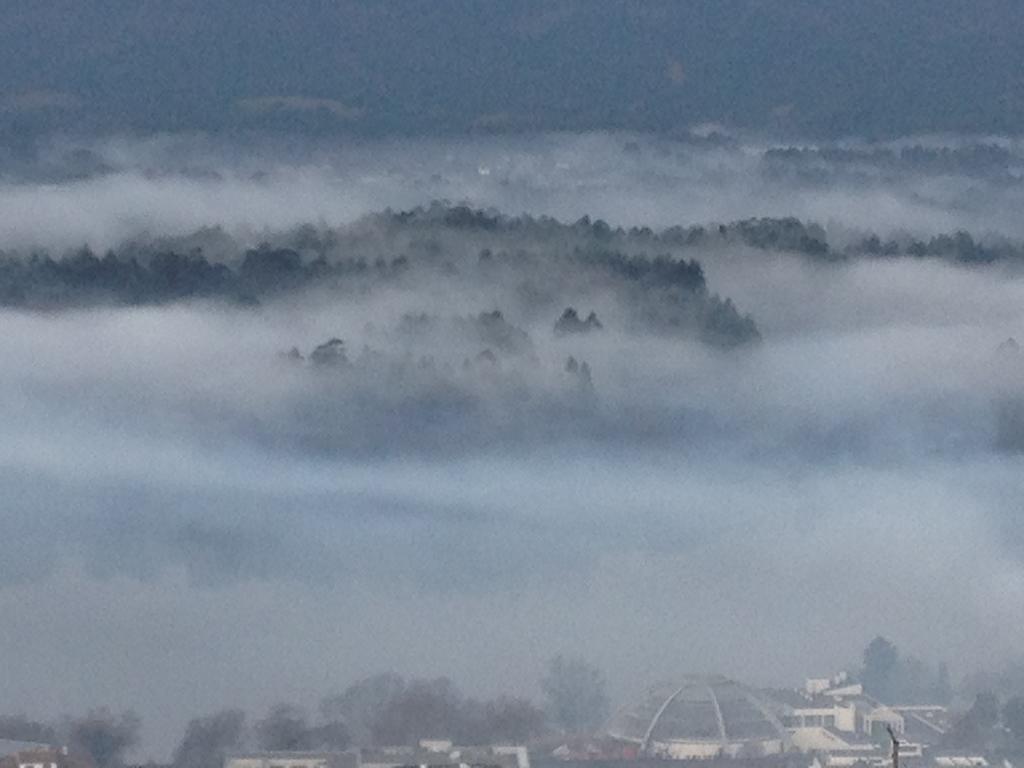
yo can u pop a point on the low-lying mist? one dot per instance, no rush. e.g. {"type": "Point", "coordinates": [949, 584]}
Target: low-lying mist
{"type": "Point", "coordinates": [102, 192]}
{"type": "Point", "coordinates": [280, 439]}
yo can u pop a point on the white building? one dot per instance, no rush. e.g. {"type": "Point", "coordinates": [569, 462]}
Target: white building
{"type": "Point", "coordinates": [442, 753]}
{"type": "Point", "coordinates": [291, 760]}
{"type": "Point", "coordinates": [22, 754]}
{"type": "Point", "coordinates": [842, 707]}
{"type": "Point", "coordinates": [836, 719]}
{"type": "Point", "coordinates": [700, 718]}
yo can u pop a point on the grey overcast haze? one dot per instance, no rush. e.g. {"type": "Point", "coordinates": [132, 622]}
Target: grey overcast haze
{"type": "Point", "coordinates": [441, 338]}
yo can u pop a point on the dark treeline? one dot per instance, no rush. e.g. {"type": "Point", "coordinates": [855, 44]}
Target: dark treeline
{"type": "Point", "coordinates": [787, 234]}
{"type": "Point", "coordinates": [385, 246]}
{"type": "Point", "coordinates": [380, 710]}
{"type": "Point", "coordinates": [535, 260]}
{"type": "Point", "coordinates": [596, 240]}
{"type": "Point", "coordinates": [822, 164]}
{"type": "Point", "coordinates": [992, 725]}
{"type": "Point", "coordinates": [101, 735]}
{"type": "Point", "coordinates": [991, 707]}
{"type": "Point", "coordinates": [538, 262]}
{"type": "Point", "coordinates": [386, 709]}
{"type": "Point", "coordinates": [84, 278]}
{"type": "Point", "coordinates": [958, 247]}
{"type": "Point", "coordinates": [390, 710]}
{"type": "Point", "coordinates": [898, 678]}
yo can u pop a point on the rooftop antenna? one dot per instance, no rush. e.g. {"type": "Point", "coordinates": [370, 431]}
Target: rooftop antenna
{"type": "Point", "coordinates": [895, 746]}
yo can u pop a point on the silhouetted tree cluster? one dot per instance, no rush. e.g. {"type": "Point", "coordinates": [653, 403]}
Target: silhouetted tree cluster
{"type": "Point", "coordinates": [287, 728]}
{"type": "Point", "coordinates": [670, 296]}
{"type": "Point", "coordinates": [574, 692]}
{"type": "Point", "coordinates": [99, 734]}
{"type": "Point", "coordinates": [542, 258]}
{"type": "Point", "coordinates": [978, 728]}
{"type": "Point", "coordinates": [137, 276]}
{"type": "Point", "coordinates": [570, 322]}
{"type": "Point", "coordinates": [389, 710]}
{"type": "Point", "coordinates": [84, 279]}
{"type": "Point", "coordinates": [897, 679]}
{"type": "Point", "coordinates": [331, 353]}
{"type": "Point", "coordinates": [104, 736]}
{"type": "Point", "coordinates": [660, 272]}
{"type": "Point", "coordinates": [381, 710]}
{"type": "Point", "coordinates": [787, 234]}
{"type": "Point", "coordinates": [495, 331]}
{"type": "Point", "coordinates": [827, 164]}
{"type": "Point", "coordinates": [767, 233]}
{"type": "Point", "coordinates": [958, 247]}
{"type": "Point", "coordinates": [208, 739]}
{"type": "Point", "coordinates": [580, 370]}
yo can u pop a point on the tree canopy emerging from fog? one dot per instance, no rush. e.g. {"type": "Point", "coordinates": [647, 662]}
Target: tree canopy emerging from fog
{"type": "Point", "coordinates": [978, 729]}
{"type": "Point", "coordinates": [104, 736]}
{"type": "Point", "coordinates": [536, 262]}
{"type": "Point", "coordinates": [881, 660]}
{"type": "Point", "coordinates": [363, 703]}
{"type": "Point", "coordinates": [387, 710]}
{"type": "Point", "coordinates": [897, 678]}
{"type": "Point", "coordinates": [208, 739]}
{"type": "Point", "coordinates": [574, 694]}
{"type": "Point", "coordinates": [286, 728]}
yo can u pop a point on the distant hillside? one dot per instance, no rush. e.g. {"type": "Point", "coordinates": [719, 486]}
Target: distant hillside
{"type": "Point", "coordinates": [817, 67]}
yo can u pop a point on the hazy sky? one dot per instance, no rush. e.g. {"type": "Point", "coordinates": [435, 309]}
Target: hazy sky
{"type": "Point", "coordinates": [175, 546]}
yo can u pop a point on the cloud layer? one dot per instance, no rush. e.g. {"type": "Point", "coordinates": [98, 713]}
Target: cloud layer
{"type": "Point", "coordinates": [202, 521]}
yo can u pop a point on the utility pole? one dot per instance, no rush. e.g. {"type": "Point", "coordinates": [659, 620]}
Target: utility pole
{"type": "Point", "coordinates": [895, 746]}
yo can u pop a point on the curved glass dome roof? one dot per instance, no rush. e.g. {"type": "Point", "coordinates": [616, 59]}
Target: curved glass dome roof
{"type": "Point", "coordinates": [703, 709]}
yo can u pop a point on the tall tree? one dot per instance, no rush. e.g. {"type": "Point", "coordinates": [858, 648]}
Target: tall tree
{"type": "Point", "coordinates": [332, 735]}
{"type": "Point", "coordinates": [942, 692]}
{"type": "Point", "coordinates": [504, 720]}
{"type": "Point", "coordinates": [104, 736]}
{"type": "Point", "coordinates": [284, 728]}
{"type": "Point", "coordinates": [575, 694]}
{"type": "Point", "coordinates": [881, 663]}
{"type": "Point", "coordinates": [1013, 719]}
{"type": "Point", "coordinates": [424, 709]}
{"type": "Point", "coordinates": [976, 729]}
{"type": "Point", "coordinates": [361, 705]}
{"type": "Point", "coordinates": [208, 739]}
{"type": "Point", "coordinates": [512, 720]}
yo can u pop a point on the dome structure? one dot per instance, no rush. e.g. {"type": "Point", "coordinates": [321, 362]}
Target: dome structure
{"type": "Point", "coordinates": [700, 717]}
